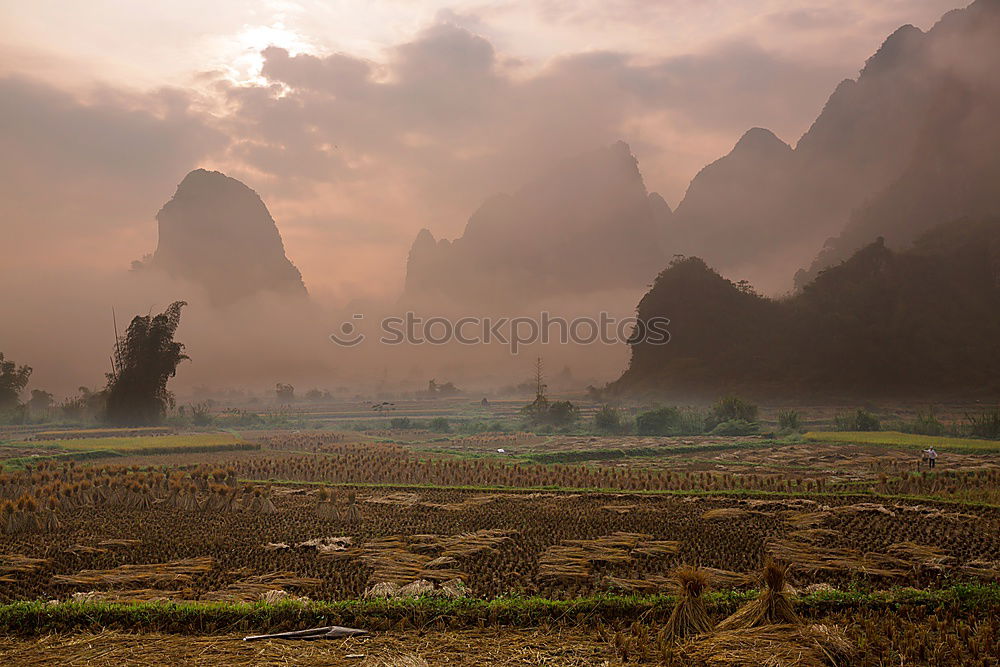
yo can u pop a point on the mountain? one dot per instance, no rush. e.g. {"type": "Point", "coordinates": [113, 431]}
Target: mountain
{"type": "Point", "coordinates": [951, 165]}
{"type": "Point", "coordinates": [921, 321]}
{"type": "Point", "coordinates": [586, 225]}
{"type": "Point", "coordinates": [734, 200]}
{"type": "Point", "coordinates": [913, 141]}
{"type": "Point", "coordinates": [216, 232]}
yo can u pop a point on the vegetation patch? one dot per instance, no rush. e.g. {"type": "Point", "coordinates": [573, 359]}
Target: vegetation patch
{"type": "Point", "coordinates": [26, 618]}
{"type": "Point", "coordinates": [70, 434]}
{"type": "Point", "coordinates": [145, 444]}
{"type": "Point", "coordinates": [908, 440]}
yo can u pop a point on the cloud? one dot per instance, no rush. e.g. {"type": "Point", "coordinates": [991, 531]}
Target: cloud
{"type": "Point", "coordinates": [80, 174]}
{"type": "Point", "coordinates": [415, 137]}
{"type": "Point", "coordinates": [444, 100]}
{"type": "Point", "coordinates": [450, 120]}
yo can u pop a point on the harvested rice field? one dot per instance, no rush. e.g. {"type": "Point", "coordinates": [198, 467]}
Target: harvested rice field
{"type": "Point", "coordinates": [189, 538]}
{"type": "Point", "coordinates": [317, 519]}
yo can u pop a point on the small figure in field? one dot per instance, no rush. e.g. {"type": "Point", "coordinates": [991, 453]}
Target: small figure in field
{"type": "Point", "coordinates": [929, 456]}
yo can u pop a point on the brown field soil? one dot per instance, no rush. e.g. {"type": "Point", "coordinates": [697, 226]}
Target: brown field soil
{"type": "Point", "coordinates": [836, 461]}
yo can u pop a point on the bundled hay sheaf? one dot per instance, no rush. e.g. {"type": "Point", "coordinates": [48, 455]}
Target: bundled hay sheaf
{"type": "Point", "coordinates": [572, 559]}
{"type": "Point", "coordinates": [689, 615]}
{"type": "Point", "coordinates": [773, 606]}
{"type": "Point", "coordinates": [148, 575]}
{"type": "Point", "coordinates": [262, 587]}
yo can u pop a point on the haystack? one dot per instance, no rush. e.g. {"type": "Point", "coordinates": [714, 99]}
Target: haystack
{"type": "Point", "coordinates": [773, 606]}
{"type": "Point", "coordinates": [326, 507]}
{"type": "Point", "coordinates": [383, 589]}
{"type": "Point", "coordinates": [689, 616]}
{"type": "Point", "coordinates": [416, 588]}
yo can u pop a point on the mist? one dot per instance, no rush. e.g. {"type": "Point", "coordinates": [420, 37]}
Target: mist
{"type": "Point", "coordinates": [562, 183]}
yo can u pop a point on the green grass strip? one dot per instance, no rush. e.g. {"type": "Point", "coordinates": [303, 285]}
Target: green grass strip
{"type": "Point", "coordinates": [907, 441]}
{"type": "Point", "coordinates": [26, 618]}
{"type": "Point", "coordinates": [20, 462]}
{"type": "Point", "coordinates": [141, 443]}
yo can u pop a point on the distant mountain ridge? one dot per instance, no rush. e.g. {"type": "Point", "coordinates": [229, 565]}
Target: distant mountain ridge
{"type": "Point", "coordinates": [952, 165]}
{"type": "Point", "coordinates": [588, 224]}
{"type": "Point", "coordinates": [216, 232]}
{"type": "Point", "coordinates": [912, 142]}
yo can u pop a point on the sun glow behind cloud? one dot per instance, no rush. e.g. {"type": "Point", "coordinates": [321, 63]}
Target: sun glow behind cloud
{"type": "Point", "coordinates": [241, 56]}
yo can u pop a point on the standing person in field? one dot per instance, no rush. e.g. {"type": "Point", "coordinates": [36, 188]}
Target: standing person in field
{"type": "Point", "coordinates": [931, 455]}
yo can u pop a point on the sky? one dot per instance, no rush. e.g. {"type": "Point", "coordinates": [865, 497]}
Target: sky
{"type": "Point", "coordinates": [360, 122]}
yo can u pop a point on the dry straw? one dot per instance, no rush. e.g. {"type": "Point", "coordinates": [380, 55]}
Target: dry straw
{"type": "Point", "coordinates": [689, 616]}
{"type": "Point", "coordinates": [772, 606]}
{"type": "Point", "coordinates": [781, 645]}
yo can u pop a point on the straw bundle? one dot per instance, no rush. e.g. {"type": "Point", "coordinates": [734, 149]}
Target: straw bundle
{"type": "Point", "coordinates": [772, 606]}
{"type": "Point", "coordinates": [148, 575]}
{"type": "Point", "coordinates": [689, 615]}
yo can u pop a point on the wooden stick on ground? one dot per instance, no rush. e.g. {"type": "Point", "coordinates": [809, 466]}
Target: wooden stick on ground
{"type": "Point", "coordinates": [328, 632]}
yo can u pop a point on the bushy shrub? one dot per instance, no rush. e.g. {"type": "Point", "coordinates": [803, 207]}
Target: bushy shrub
{"type": "Point", "coordinates": [440, 425]}
{"type": "Point", "coordinates": [788, 421]}
{"type": "Point", "coordinates": [736, 427]}
{"type": "Point", "coordinates": [201, 414]}
{"type": "Point", "coordinates": [985, 424]}
{"type": "Point", "coordinates": [608, 420]}
{"type": "Point", "coordinates": [860, 420]}
{"type": "Point", "coordinates": [730, 408]}
{"type": "Point", "coordinates": [478, 426]}
{"type": "Point", "coordinates": [242, 418]}
{"type": "Point", "coordinates": [670, 421]}
{"type": "Point", "coordinates": [926, 424]}
{"type": "Point", "coordinates": [662, 421]}
{"type": "Point", "coordinates": [400, 423]}
{"type": "Point", "coordinates": [562, 413]}
{"type": "Point", "coordinates": [542, 412]}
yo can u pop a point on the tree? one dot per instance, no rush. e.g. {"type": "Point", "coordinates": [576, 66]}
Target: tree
{"type": "Point", "coordinates": [285, 392]}
{"type": "Point", "coordinates": [145, 358]}
{"type": "Point", "coordinates": [40, 401]}
{"type": "Point", "coordinates": [731, 408]}
{"type": "Point", "coordinates": [608, 420]}
{"type": "Point", "coordinates": [87, 405]}
{"type": "Point", "coordinates": [661, 421]}
{"type": "Point", "coordinates": [13, 380]}
{"type": "Point", "coordinates": [542, 412]}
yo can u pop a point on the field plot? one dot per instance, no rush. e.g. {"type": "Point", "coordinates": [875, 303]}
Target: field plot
{"type": "Point", "coordinates": [910, 440]}
{"type": "Point", "coordinates": [438, 545]}
{"type": "Point", "coordinates": [133, 535]}
{"type": "Point", "coordinates": [140, 443]}
{"type": "Point", "coordinates": [21, 454]}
